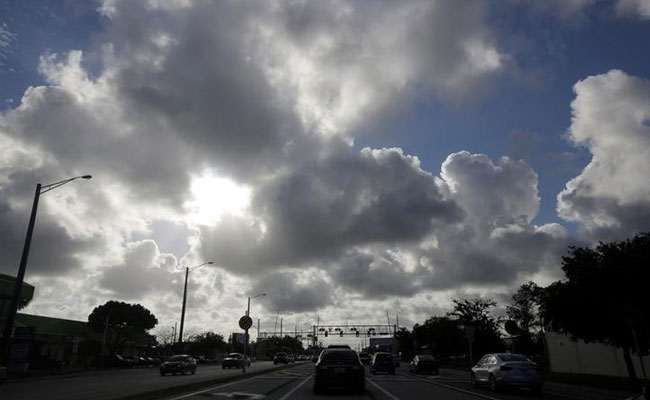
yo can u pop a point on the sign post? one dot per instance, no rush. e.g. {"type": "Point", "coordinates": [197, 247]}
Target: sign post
{"type": "Point", "coordinates": [245, 322]}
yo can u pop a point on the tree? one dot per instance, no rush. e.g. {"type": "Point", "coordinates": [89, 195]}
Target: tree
{"type": "Point", "coordinates": [125, 322]}
{"type": "Point", "coordinates": [603, 297]}
{"type": "Point", "coordinates": [476, 313]}
{"type": "Point", "coordinates": [440, 336]}
{"type": "Point", "coordinates": [207, 344]}
{"type": "Point", "coordinates": [524, 311]}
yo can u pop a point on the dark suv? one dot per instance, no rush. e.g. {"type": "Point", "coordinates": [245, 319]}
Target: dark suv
{"type": "Point", "coordinates": [281, 358]}
{"type": "Point", "coordinates": [339, 368]}
{"type": "Point", "coordinates": [181, 363]}
{"type": "Point", "coordinates": [235, 360]}
{"type": "Point", "coordinates": [382, 362]}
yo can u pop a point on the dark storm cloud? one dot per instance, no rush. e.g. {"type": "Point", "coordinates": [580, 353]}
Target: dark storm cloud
{"type": "Point", "coordinates": [288, 294]}
{"type": "Point", "coordinates": [323, 208]}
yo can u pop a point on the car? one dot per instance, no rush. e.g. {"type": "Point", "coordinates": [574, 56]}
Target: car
{"type": "Point", "coordinates": [338, 346]}
{"type": "Point", "coordinates": [281, 357]}
{"type": "Point", "coordinates": [505, 369]}
{"type": "Point", "coordinates": [382, 362]}
{"type": "Point", "coordinates": [291, 358]}
{"type": "Point", "coordinates": [337, 368]}
{"type": "Point", "coordinates": [181, 363]}
{"type": "Point", "coordinates": [365, 358]}
{"type": "Point", "coordinates": [235, 360]}
{"type": "Point", "coordinates": [424, 363]}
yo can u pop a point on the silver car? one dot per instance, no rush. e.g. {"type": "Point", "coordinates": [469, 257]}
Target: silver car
{"type": "Point", "coordinates": [505, 369]}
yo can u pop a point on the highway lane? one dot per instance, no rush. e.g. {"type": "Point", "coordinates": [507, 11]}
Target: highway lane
{"type": "Point", "coordinates": [296, 384]}
{"type": "Point", "coordinates": [276, 384]}
{"type": "Point", "coordinates": [114, 384]}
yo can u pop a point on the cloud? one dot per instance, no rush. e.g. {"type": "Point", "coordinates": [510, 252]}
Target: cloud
{"type": "Point", "coordinates": [144, 270]}
{"type": "Point", "coordinates": [610, 117]}
{"type": "Point", "coordinates": [638, 8]}
{"type": "Point", "coordinates": [289, 291]}
{"type": "Point", "coordinates": [322, 208]}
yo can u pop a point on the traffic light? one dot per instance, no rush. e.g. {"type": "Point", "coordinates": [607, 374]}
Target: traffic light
{"type": "Point", "coordinates": [357, 333]}
{"type": "Point", "coordinates": [325, 333]}
{"type": "Point", "coordinates": [341, 333]}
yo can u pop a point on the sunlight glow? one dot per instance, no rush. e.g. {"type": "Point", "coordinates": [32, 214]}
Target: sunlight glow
{"type": "Point", "coordinates": [214, 197]}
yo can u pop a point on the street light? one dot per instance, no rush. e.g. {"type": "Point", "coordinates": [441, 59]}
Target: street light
{"type": "Point", "coordinates": [248, 310]}
{"type": "Point", "coordinates": [187, 272]}
{"type": "Point", "coordinates": [13, 306]}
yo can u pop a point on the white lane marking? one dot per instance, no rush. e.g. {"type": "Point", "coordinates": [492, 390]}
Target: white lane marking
{"type": "Point", "coordinates": [384, 391]}
{"type": "Point", "coordinates": [212, 388]}
{"type": "Point", "coordinates": [457, 389]}
{"type": "Point", "coordinates": [286, 396]}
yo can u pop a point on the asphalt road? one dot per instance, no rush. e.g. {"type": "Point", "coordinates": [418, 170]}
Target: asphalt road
{"type": "Point", "coordinates": [272, 383]}
{"type": "Point", "coordinates": [296, 384]}
{"type": "Point", "coordinates": [115, 384]}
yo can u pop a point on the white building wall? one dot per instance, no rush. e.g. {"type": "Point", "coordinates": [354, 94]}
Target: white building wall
{"type": "Point", "coordinates": [578, 357]}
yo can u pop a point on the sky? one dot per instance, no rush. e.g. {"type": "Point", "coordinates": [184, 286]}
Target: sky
{"type": "Point", "coordinates": [350, 159]}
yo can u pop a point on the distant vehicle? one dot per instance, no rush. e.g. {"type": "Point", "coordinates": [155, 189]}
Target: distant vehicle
{"type": "Point", "coordinates": [291, 358]}
{"type": "Point", "coordinates": [235, 360]}
{"type": "Point", "coordinates": [338, 346]}
{"type": "Point", "coordinates": [181, 363]}
{"type": "Point", "coordinates": [338, 367]}
{"type": "Point", "coordinates": [281, 357]}
{"type": "Point", "coordinates": [424, 363]}
{"type": "Point", "coordinates": [382, 362]}
{"type": "Point", "coordinates": [302, 357]}
{"type": "Point", "coordinates": [365, 358]}
{"type": "Point", "coordinates": [504, 369]}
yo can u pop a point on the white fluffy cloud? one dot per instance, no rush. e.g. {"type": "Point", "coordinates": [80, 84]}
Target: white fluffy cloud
{"type": "Point", "coordinates": [610, 198]}
{"type": "Point", "coordinates": [194, 101]}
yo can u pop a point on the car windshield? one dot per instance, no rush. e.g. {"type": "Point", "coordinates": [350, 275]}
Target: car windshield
{"type": "Point", "coordinates": [178, 358]}
{"type": "Point", "coordinates": [339, 355]}
{"type": "Point", "coordinates": [383, 357]}
{"type": "Point", "coordinates": [513, 358]}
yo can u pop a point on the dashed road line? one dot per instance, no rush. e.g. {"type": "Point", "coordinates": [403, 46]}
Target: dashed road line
{"type": "Point", "coordinates": [286, 396]}
{"type": "Point", "coordinates": [384, 391]}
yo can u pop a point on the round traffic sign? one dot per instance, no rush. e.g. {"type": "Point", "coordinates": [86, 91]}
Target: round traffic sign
{"type": "Point", "coordinates": [245, 322]}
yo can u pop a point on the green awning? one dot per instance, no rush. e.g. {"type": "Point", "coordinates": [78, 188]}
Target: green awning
{"type": "Point", "coordinates": [7, 283]}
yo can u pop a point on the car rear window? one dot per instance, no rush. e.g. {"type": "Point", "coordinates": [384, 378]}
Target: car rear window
{"type": "Point", "coordinates": [384, 357]}
{"type": "Point", "coordinates": [513, 357]}
{"type": "Point", "coordinates": [178, 358]}
{"type": "Point", "coordinates": [339, 356]}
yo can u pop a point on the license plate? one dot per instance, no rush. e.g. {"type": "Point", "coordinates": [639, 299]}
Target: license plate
{"type": "Point", "coordinates": [339, 370]}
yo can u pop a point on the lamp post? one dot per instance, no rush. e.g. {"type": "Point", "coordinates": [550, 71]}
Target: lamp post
{"type": "Point", "coordinates": [187, 272]}
{"type": "Point", "coordinates": [248, 310]}
{"type": "Point", "coordinates": [13, 306]}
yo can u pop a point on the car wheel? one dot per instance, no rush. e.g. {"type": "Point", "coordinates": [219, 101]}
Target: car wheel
{"type": "Point", "coordinates": [537, 389]}
{"type": "Point", "coordinates": [275, 363]}
{"type": "Point", "coordinates": [361, 389]}
{"type": "Point", "coordinates": [162, 373]}
{"type": "Point", "coordinates": [493, 384]}
{"type": "Point", "coordinates": [194, 371]}
{"type": "Point", "coordinates": [472, 379]}
{"type": "Point", "coordinates": [223, 367]}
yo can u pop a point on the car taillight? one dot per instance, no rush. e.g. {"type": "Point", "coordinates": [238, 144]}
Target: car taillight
{"type": "Point", "coordinates": [506, 368]}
